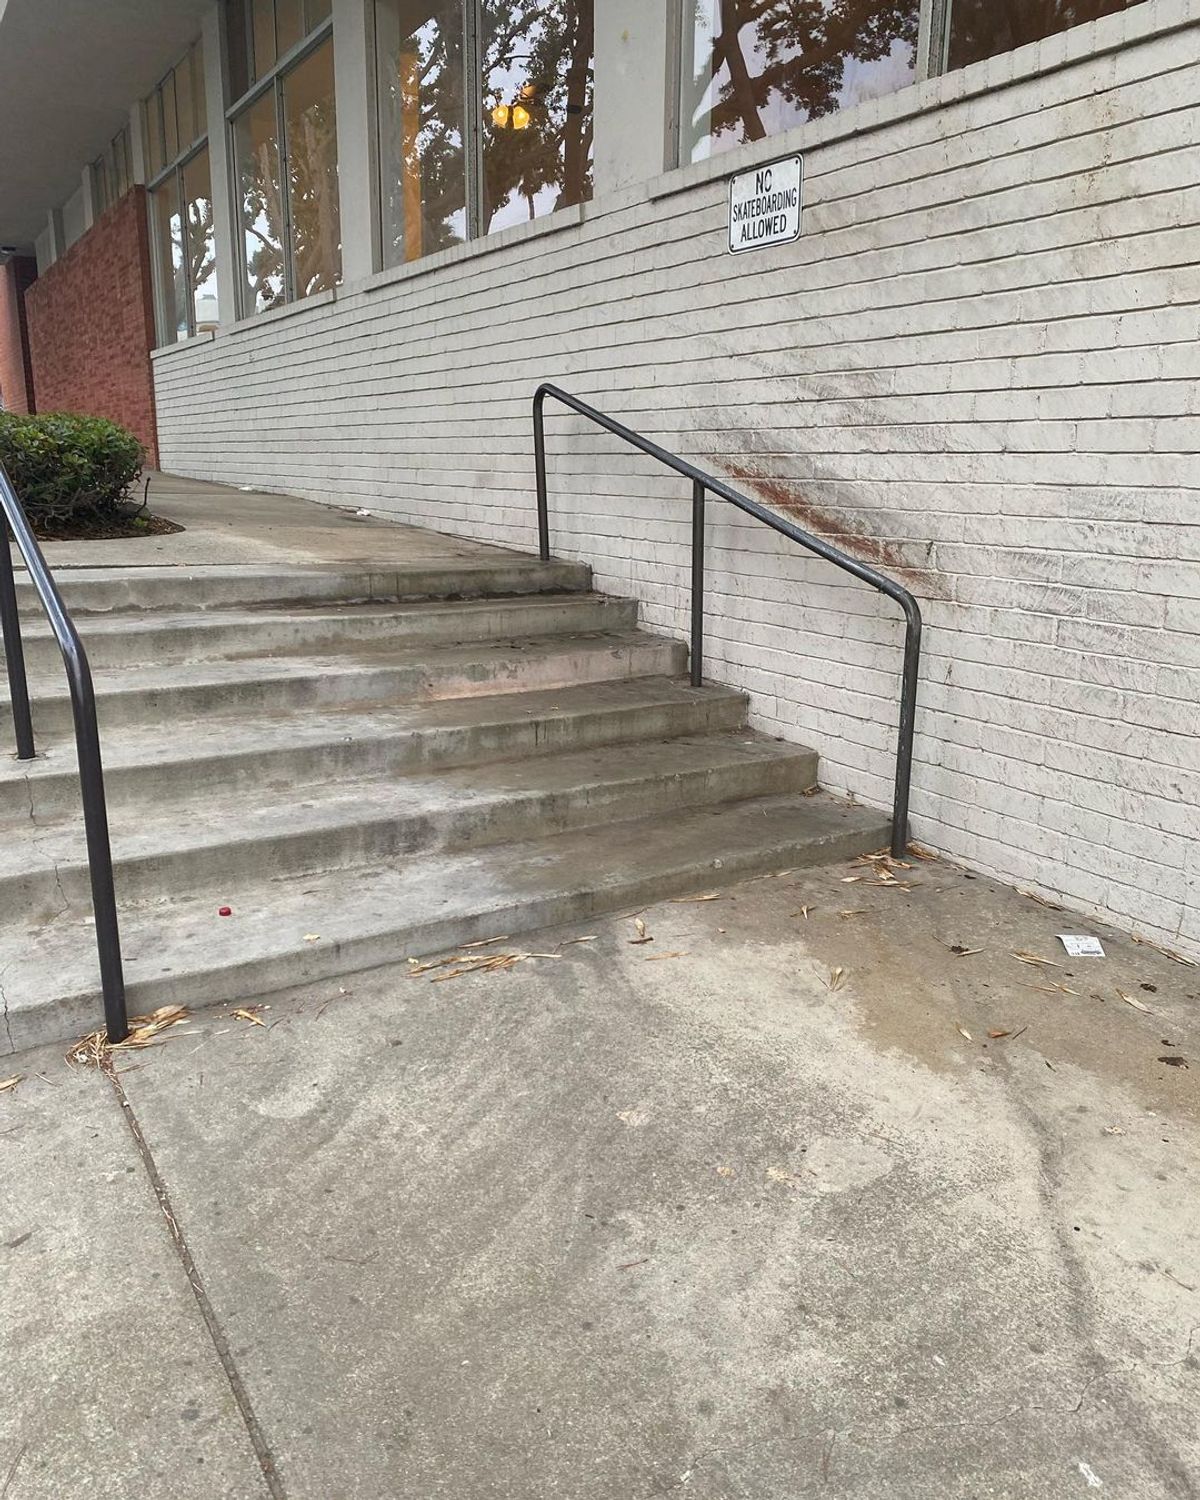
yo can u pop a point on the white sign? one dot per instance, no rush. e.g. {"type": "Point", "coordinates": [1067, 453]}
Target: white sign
{"type": "Point", "coordinates": [764, 205]}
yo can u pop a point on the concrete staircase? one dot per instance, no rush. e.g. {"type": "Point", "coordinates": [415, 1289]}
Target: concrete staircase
{"type": "Point", "coordinates": [367, 766]}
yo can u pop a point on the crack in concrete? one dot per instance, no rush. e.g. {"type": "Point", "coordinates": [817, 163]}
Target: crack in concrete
{"type": "Point", "coordinates": [4, 1001]}
{"type": "Point", "coordinates": [241, 1396]}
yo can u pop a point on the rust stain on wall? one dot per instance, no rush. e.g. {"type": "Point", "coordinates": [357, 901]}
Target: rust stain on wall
{"type": "Point", "coordinates": [784, 495]}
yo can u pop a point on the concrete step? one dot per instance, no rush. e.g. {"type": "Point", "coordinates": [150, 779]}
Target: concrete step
{"type": "Point", "coordinates": [125, 639]}
{"type": "Point", "coordinates": [155, 766]}
{"type": "Point", "coordinates": [359, 674]}
{"type": "Point", "coordinates": [289, 931]}
{"type": "Point", "coordinates": [208, 845]}
{"type": "Point", "coordinates": [103, 590]}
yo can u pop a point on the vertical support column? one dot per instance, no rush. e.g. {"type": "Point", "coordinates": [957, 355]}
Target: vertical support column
{"type": "Point", "coordinates": [633, 67]}
{"type": "Point", "coordinates": [354, 83]}
{"type": "Point", "coordinates": [216, 102]}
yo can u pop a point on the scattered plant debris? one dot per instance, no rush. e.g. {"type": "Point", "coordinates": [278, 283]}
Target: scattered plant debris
{"type": "Point", "coordinates": [10, 1083]}
{"type": "Point", "coordinates": [962, 1031]}
{"type": "Point", "coordinates": [1034, 958]}
{"type": "Point", "coordinates": [714, 896]}
{"type": "Point", "coordinates": [1041, 900]}
{"type": "Point", "coordinates": [960, 952]}
{"type": "Point", "coordinates": [1135, 1002]}
{"type": "Point", "coordinates": [657, 958]}
{"type": "Point", "coordinates": [642, 935]}
{"type": "Point", "coordinates": [836, 979]}
{"type": "Point", "coordinates": [455, 965]}
{"type": "Point", "coordinates": [1166, 952]}
{"type": "Point", "coordinates": [248, 1013]}
{"type": "Point", "coordinates": [92, 1050]}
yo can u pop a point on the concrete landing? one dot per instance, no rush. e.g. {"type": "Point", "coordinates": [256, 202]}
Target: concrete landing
{"type": "Point", "coordinates": [760, 1208]}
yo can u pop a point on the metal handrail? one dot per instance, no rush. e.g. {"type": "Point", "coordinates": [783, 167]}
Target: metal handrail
{"type": "Point", "coordinates": [704, 484]}
{"type": "Point", "coordinates": [87, 736]}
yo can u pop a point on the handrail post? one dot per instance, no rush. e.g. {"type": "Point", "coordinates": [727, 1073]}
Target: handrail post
{"type": "Point", "coordinates": [698, 497]}
{"type": "Point", "coordinates": [14, 651]}
{"type": "Point", "coordinates": [99, 848]}
{"type": "Point", "coordinates": [539, 459]}
{"type": "Point", "coordinates": [904, 738]}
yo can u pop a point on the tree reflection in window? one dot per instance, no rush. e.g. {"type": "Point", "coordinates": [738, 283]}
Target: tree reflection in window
{"type": "Point", "coordinates": [984, 28]}
{"type": "Point", "coordinates": [537, 57]}
{"type": "Point", "coordinates": [754, 68]}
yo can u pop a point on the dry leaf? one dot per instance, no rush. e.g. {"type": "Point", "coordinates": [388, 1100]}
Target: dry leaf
{"type": "Point", "coordinates": [855, 911]}
{"type": "Point", "coordinates": [489, 942]}
{"type": "Point", "coordinates": [1170, 953]}
{"type": "Point", "coordinates": [92, 1049]}
{"type": "Point", "coordinates": [657, 958]}
{"type": "Point", "coordinates": [835, 980]}
{"type": "Point", "coordinates": [918, 851]}
{"type": "Point", "coordinates": [642, 935]}
{"type": "Point", "coordinates": [248, 1013]}
{"type": "Point", "coordinates": [1041, 900]}
{"type": "Point", "coordinates": [590, 939]}
{"type": "Point", "coordinates": [686, 900]}
{"type": "Point", "coordinates": [962, 1031]}
{"type": "Point", "coordinates": [996, 1035]}
{"type": "Point", "coordinates": [312, 937]}
{"type": "Point", "coordinates": [725, 1172]}
{"type": "Point", "coordinates": [851, 879]}
{"type": "Point", "coordinates": [10, 1083]}
{"type": "Point", "coordinates": [803, 912]}
{"type": "Point", "coordinates": [960, 952]}
{"type": "Point", "coordinates": [1135, 1002]}
{"type": "Point", "coordinates": [1033, 958]}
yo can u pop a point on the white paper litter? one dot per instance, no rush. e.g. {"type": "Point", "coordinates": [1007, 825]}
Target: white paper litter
{"type": "Point", "coordinates": [1080, 946]}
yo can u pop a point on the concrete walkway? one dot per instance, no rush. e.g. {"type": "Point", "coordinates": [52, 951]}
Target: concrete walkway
{"type": "Point", "coordinates": [230, 527]}
{"type": "Point", "coordinates": [794, 1198]}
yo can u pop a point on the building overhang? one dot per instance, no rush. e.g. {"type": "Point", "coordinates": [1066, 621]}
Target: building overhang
{"type": "Point", "coordinates": [69, 71]}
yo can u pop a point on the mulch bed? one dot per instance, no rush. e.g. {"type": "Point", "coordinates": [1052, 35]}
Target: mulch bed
{"type": "Point", "coordinates": [105, 528]}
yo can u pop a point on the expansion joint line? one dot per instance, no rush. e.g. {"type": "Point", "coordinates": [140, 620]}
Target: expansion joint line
{"type": "Point", "coordinates": [262, 1450]}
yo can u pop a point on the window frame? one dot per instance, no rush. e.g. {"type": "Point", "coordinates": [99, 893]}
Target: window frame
{"type": "Point", "coordinates": [112, 168]}
{"type": "Point", "coordinates": [474, 139]}
{"type": "Point", "coordinates": [271, 82]}
{"type": "Point", "coordinates": [172, 173]}
{"type": "Point", "coordinates": [932, 61]}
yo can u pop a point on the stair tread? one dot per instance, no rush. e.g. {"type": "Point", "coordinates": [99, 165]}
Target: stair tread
{"type": "Point", "coordinates": [293, 929]}
{"type": "Point", "coordinates": [214, 820]}
{"type": "Point", "coordinates": [189, 739]}
{"type": "Point", "coordinates": [356, 657]}
{"type": "Point", "coordinates": [130, 621]}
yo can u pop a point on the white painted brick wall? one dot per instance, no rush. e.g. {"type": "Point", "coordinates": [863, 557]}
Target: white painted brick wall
{"type": "Point", "coordinates": [979, 365]}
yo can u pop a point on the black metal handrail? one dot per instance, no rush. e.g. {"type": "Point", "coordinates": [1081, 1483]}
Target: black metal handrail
{"type": "Point", "coordinates": [87, 736]}
{"type": "Point", "coordinates": [704, 484]}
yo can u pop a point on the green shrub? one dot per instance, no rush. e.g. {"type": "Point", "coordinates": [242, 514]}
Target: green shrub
{"type": "Point", "coordinates": [64, 467]}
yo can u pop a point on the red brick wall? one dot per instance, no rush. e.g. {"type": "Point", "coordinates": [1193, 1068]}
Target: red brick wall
{"type": "Point", "coordinates": [16, 370]}
{"type": "Point", "coordinates": [91, 324]}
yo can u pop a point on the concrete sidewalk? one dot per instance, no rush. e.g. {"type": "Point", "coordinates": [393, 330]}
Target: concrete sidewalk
{"type": "Point", "coordinates": [757, 1208]}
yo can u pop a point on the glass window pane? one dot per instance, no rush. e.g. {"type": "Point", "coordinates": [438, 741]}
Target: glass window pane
{"type": "Point", "coordinates": [289, 24]}
{"type": "Point", "coordinates": [169, 275]}
{"type": "Point", "coordinates": [170, 122]}
{"type": "Point", "coordinates": [256, 153]}
{"type": "Point", "coordinates": [538, 71]}
{"type": "Point", "coordinates": [121, 161]}
{"type": "Point", "coordinates": [423, 181]}
{"type": "Point", "coordinates": [152, 123]}
{"type": "Point", "coordinates": [237, 34]}
{"type": "Point", "coordinates": [201, 242]}
{"type": "Point", "coordinates": [263, 23]}
{"type": "Point", "coordinates": [983, 28]}
{"type": "Point", "coordinates": [184, 104]}
{"type": "Point", "coordinates": [316, 11]}
{"type": "Point", "coordinates": [310, 132]}
{"type": "Point", "coordinates": [753, 69]}
{"type": "Point", "coordinates": [100, 198]}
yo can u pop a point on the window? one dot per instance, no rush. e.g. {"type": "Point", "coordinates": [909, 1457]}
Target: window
{"type": "Point", "coordinates": [754, 68]}
{"type": "Point", "coordinates": [111, 173]}
{"type": "Point", "coordinates": [285, 151]}
{"type": "Point", "coordinates": [181, 206]}
{"type": "Point", "coordinates": [485, 116]}
{"type": "Point", "coordinates": [983, 28]}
